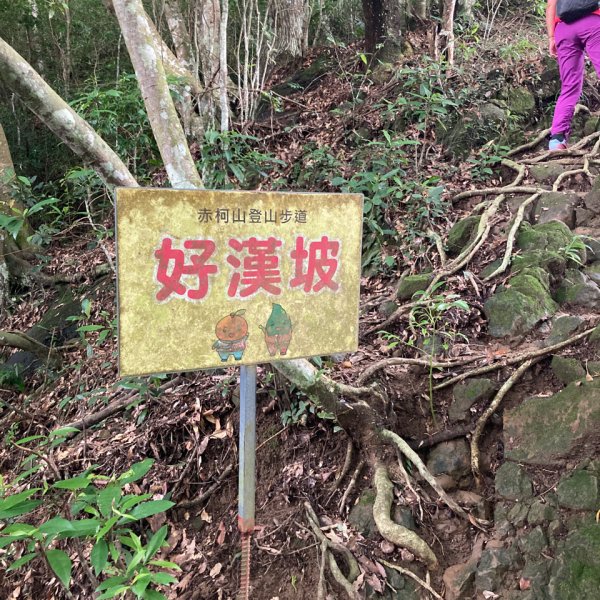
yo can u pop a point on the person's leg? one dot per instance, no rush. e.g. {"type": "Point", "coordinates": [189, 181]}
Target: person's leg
{"type": "Point", "coordinates": [569, 48]}
{"type": "Point", "coordinates": [589, 31]}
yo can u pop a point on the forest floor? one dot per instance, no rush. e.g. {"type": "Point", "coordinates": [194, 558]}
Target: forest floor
{"type": "Point", "coordinates": [189, 424]}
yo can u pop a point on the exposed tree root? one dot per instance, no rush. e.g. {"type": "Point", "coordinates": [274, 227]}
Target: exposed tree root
{"type": "Point", "coordinates": [511, 237]}
{"type": "Point", "coordinates": [532, 144]}
{"type": "Point", "coordinates": [329, 546]}
{"type": "Point", "coordinates": [519, 168]}
{"type": "Point", "coordinates": [508, 189]}
{"type": "Point", "coordinates": [518, 358]}
{"type": "Point", "coordinates": [409, 453]}
{"type": "Point", "coordinates": [441, 436]}
{"type": "Point", "coordinates": [483, 419]}
{"type": "Point", "coordinates": [392, 531]}
{"type": "Point", "coordinates": [343, 472]}
{"type": "Point", "coordinates": [350, 486]}
{"type": "Point", "coordinates": [15, 339]}
{"type": "Point", "coordinates": [410, 574]}
{"type": "Point", "coordinates": [423, 362]}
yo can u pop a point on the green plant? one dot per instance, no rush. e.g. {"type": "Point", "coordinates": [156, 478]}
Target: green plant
{"type": "Point", "coordinates": [231, 160]}
{"type": "Point", "coordinates": [101, 331]}
{"type": "Point", "coordinates": [122, 553]}
{"type": "Point", "coordinates": [575, 250]}
{"type": "Point", "coordinates": [488, 158]}
{"type": "Point", "coordinates": [429, 324]}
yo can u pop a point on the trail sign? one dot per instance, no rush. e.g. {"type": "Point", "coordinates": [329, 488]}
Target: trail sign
{"type": "Point", "coordinates": [209, 279]}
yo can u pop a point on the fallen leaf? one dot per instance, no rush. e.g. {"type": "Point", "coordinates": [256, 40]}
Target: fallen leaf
{"type": "Point", "coordinates": [221, 536]}
{"type": "Point", "coordinates": [387, 547]}
{"type": "Point", "coordinates": [217, 569]}
{"type": "Point", "coordinates": [205, 516]}
{"type": "Point", "coordinates": [524, 583]}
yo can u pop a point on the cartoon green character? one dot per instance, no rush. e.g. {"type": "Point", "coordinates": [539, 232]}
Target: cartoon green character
{"type": "Point", "coordinates": [278, 331]}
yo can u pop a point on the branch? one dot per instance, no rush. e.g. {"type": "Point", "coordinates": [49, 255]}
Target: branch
{"type": "Point", "coordinates": [54, 112]}
{"type": "Point", "coordinates": [15, 339]}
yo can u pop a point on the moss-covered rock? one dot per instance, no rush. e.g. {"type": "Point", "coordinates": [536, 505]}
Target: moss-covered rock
{"type": "Point", "coordinates": [553, 263]}
{"type": "Point", "coordinates": [567, 370]}
{"type": "Point", "coordinates": [413, 283]}
{"type": "Point", "coordinates": [534, 542]}
{"type": "Point", "coordinates": [547, 172]}
{"type": "Point", "coordinates": [361, 515]}
{"type": "Point", "coordinates": [462, 233]}
{"type": "Point", "coordinates": [578, 491]}
{"type": "Point", "coordinates": [563, 327]}
{"type": "Point", "coordinates": [519, 101]}
{"type": "Point", "coordinates": [554, 236]}
{"type": "Point", "coordinates": [517, 309]}
{"type": "Point", "coordinates": [451, 458]}
{"type": "Point", "coordinates": [577, 290]}
{"type": "Point", "coordinates": [593, 272]}
{"type": "Point", "coordinates": [513, 483]}
{"type": "Point", "coordinates": [576, 572]}
{"type": "Point", "coordinates": [540, 513]}
{"type": "Point", "coordinates": [548, 431]}
{"type": "Point", "coordinates": [468, 393]}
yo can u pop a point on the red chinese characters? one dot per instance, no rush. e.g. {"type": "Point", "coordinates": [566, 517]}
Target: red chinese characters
{"type": "Point", "coordinates": [316, 266]}
{"type": "Point", "coordinates": [172, 266]}
{"type": "Point", "coordinates": [258, 270]}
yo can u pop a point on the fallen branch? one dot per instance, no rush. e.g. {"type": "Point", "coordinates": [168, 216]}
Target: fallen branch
{"type": "Point", "coordinates": [513, 360]}
{"type": "Point", "coordinates": [483, 419]}
{"type": "Point", "coordinates": [16, 339]}
{"type": "Point", "coordinates": [208, 493]}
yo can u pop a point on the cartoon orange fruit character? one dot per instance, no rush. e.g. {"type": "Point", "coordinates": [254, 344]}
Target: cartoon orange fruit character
{"type": "Point", "coordinates": [278, 331]}
{"type": "Point", "coordinates": [232, 334]}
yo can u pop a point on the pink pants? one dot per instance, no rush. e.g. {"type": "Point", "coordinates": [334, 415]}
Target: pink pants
{"type": "Point", "coordinates": [572, 40]}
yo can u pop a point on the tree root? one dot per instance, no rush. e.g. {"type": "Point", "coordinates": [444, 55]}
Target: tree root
{"type": "Point", "coordinates": [529, 145]}
{"type": "Point", "coordinates": [511, 237]}
{"type": "Point", "coordinates": [573, 150]}
{"type": "Point", "coordinates": [489, 411]}
{"type": "Point", "coordinates": [350, 486]}
{"type": "Point", "coordinates": [409, 453]}
{"type": "Point", "coordinates": [423, 362]}
{"type": "Point", "coordinates": [519, 358]}
{"type": "Point", "coordinates": [391, 531]}
{"type": "Point", "coordinates": [410, 574]}
{"type": "Point", "coordinates": [515, 166]}
{"type": "Point", "coordinates": [16, 339]}
{"type": "Point", "coordinates": [329, 547]}
{"type": "Point", "coordinates": [344, 471]}
{"type": "Point", "coordinates": [508, 189]}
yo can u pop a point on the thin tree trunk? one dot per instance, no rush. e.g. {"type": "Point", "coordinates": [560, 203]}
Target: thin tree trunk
{"type": "Point", "coordinates": [447, 33]}
{"type": "Point", "coordinates": [39, 97]}
{"type": "Point", "coordinates": [290, 25]}
{"type": "Point", "coordinates": [223, 74]}
{"type": "Point", "coordinates": [150, 72]}
{"type": "Point", "coordinates": [179, 33]}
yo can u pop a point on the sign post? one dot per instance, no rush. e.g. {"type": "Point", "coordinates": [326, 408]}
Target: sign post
{"type": "Point", "coordinates": [212, 279]}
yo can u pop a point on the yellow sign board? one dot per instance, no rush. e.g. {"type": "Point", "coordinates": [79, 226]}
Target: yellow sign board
{"type": "Point", "coordinates": [208, 279]}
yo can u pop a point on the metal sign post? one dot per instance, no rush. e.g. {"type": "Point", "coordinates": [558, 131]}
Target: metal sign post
{"type": "Point", "coordinates": [247, 471]}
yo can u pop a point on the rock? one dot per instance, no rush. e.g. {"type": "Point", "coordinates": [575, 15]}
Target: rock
{"type": "Point", "coordinates": [361, 515]}
{"type": "Point", "coordinates": [563, 328]}
{"type": "Point", "coordinates": [458, 580]}
{"type": "Point", "coordinates": [578, 491]}
{"type": "Point", "coordinates": [591, 200]}
{"type": "Point", "coordinates": [403, 516]}
{"type": "Point", "coordinates": [517, 515]}
{"type": "Point", "coordinates": [517, 309]}
{"type": "Point", "coordinates": [567, 370]}
{"type": "Point", "coordinates": [547, 431]}
{"type": "Point", "coordinates": [446, 482]}
{"type": "Point", "coordinates": [554, 236]}
{"type": "Point", "coordinates": [577, 290]}
{"type": "Point", "coordinates": [576, 571]}
{"type": "Point", "coordinates": [548, 85]}
{"type": "Point", "coordinates": [451, 458]}
{"type": "Point", "coordinates": [461, 233]}
{"type": "Point", "coordinates": [547, 172]}
{"type": "Point", "coordinates": [592, 124]}
{"type": "Point", "coordinates": [536, 574]}
{"type": "Point", "coordinates": [406, 589]}
{"type": "Point", "coordinates": [467, 498]}
{"type": "Point", "coordinates": [489, 269]}
{"type": "Point", "coordinates": [593, 272]}
{"type": "Point", "coordinates": [553, 263]}
{"type": "Point", "coordinates": [594, 339]}
{"type": "Point", "coordinates": [592, 246]}
{"type": "Point", "coordinates": [411, 284]}
{"type": "Point", "coordinates": [540, 513]}
{"type": "Point", "coordinates": [494, 564]}
{"type": "Point", "coordinates": [513, 483]}
{"type": "Point", "coordinates": [387, 308]}
{"type": "Point", "coordinates": [519, 100]}
{"type": "Point", "coordinates": [533, 543]}
{"type": "Point", "coordinates": [468, 393]}
{"type": "Point", "coordinates": [556, 206]}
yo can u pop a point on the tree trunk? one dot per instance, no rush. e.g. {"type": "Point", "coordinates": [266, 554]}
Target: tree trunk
{"type": "Point", "coordinates": [385, 23]}
{"type": "Point", "coordinates": [39, 97]}
{"type": "Point", "coordinates": [447, 32]}
{"type": "Point", "coordinates": [291, 19]}
{"type": "Point", "coordinates": [179, 33]}
{"type": "Point", "coordinates": [150, 72]}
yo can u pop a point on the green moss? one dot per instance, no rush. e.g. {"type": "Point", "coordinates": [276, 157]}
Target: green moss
{"type": "Point", "coordinates": [567, 369]}
{"type": "Point", "coordinates": [461, 234]}
{"type": "Point", "coordinates": [553, 236]}
{"type": "Point", "coordinates": [412, 284]}
{"type": "Point", "coordinates": [578, 491]}
{"type": "Point", "coordinates": [548, 260]}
